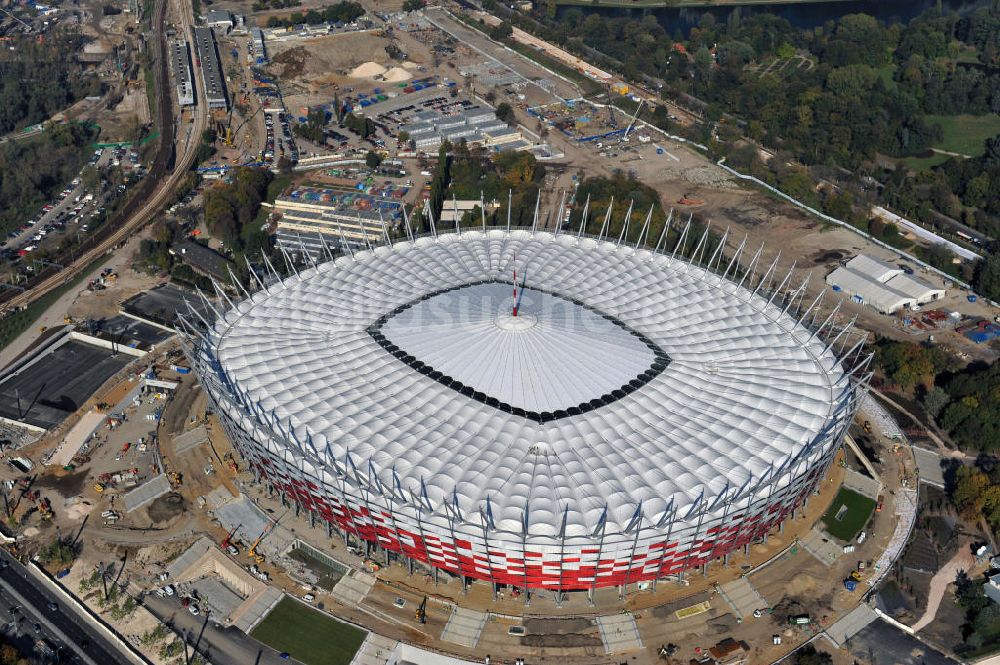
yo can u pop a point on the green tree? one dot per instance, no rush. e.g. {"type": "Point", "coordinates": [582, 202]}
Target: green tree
{"type": "Point", "coordinates": [501, 32]}
{"type": "Point", "coordinates": [505, 112]}
{"type": "Point", "coordinates": [935, 400]}
{"type": "Point", "coordinates": [808, 655]}
{"type": "Point", "coordinates": [372, 159]}
{"type": "Point", "coordinates": [987, 277]}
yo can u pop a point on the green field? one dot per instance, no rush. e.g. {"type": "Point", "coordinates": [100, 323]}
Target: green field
{"type": "Point", "coordinates": [925, 163]}
{"type": "Point", "coordinates": [308, 635]}
{"type": "Point", "coordinates": [965, 134]}
{"type": "Point", "coordinates": [859, 509]}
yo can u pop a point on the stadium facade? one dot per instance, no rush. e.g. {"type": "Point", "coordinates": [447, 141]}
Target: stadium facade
{"type": "Point", "coordinates": [638, 416]}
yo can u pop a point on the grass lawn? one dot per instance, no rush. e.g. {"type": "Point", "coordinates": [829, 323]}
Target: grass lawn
{"type": "Point", "coordinates": [308, 635]}
{"type": "Point", "coordinates": [965, 134]}
{"type": "Point", "coordinates": [925, 163]}
{"type": "Point", "coordinates": [859, 509]}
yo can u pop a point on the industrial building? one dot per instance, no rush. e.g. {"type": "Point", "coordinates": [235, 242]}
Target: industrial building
{"type": "Point", "coordinates": [211, 69]}
{"type": "Point", "coordinates": [258, 52]}
{"type": "Point", "coordinates": [610, 416]}
{"type": "Point", "coordinates": [219, 19]}
{"type": "Point", "coordinates": [342, 217]}
{"type": "Point", "coordinates": [883, 286]}
{"type": "Point", "coordinates": [180, 59]}
{"type": "Point", "coordinates": [476, 125]}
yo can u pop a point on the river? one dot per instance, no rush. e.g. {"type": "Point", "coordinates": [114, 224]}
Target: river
{"type": "Point", "coordinates": [803, 15]}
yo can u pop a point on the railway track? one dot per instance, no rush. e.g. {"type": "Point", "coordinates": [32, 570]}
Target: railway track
{"type": "Point", "coordinates": [153, 192]}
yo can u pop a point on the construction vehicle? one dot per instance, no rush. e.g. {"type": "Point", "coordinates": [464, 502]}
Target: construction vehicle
{"type": "Point", "coordinates": [688, 200]}
{"type": "Point", "coordinates": [45, 509]}
{"type": "Point", "coordinates": [612, 120]}
{"type": "Point", "coordinates": [99, 488]}
{"type": "Point", "coordinates": [631, 123]}
{"type": "Point", "coordinates": [227, 541]}
{"type": "Point", "coordinates": [252, 552]}
{"type": "Point", "coordinates": [176, 479]}
{"type": "Point", "coordinates": [421, 613]}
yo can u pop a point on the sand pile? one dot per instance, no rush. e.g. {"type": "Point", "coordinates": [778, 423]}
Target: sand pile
{"type": "Point", "coordinates": [367, 70]}
{"type": "Point", "coordinates": [397, 75]}
{"type": "Point", "coordinates": [411, 65]}
{"type": "Point", "coordinates": [76, 509]}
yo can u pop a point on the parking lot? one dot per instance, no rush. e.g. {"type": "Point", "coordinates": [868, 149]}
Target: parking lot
{"type": "Point", "coordinates": [74, 211]}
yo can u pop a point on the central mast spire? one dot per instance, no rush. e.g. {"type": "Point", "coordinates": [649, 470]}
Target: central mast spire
{"type": "Point", "coordinates": [514, 311]}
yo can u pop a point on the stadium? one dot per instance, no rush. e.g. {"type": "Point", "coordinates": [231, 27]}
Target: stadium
{"type": "Point", "coordinates": [533, 409]}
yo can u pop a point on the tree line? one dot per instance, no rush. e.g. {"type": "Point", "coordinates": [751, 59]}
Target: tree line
{"type": "Point", "coordinates": [34, 170]}
{"type": "Point", "coordinates": [842, 96]}
{"type": "Point", "coordinates": [40, 78]}
{"type": "Point", "coordinates": [342, 12]}
{"type": "Point", "coordinates": [962, 401]}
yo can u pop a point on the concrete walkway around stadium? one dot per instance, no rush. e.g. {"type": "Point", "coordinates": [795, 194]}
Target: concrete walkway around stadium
{"type": "Point", "coordinates": [573, 628]}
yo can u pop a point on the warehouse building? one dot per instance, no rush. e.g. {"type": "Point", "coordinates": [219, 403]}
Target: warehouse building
{"type": "Point", "coordinates": [180, 58]}
{"type": "Point", "coordinates": [883, 286]}
{"type": "Point", "coordinates": [211, 69]}
{"type": "Point", "coordinates": [219, 19]}
{"type": "Point", "coordinates": [474, 125]}
{"type": "Point", "coordinates": [258, 52]}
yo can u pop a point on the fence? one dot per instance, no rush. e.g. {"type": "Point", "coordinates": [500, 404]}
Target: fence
{"type": "Point", "coordinates": [834, 220]}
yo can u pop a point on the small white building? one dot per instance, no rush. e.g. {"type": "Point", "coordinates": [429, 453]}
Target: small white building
{"type": "Point", "coordinates": [992, 588]}
{"type": "Point", "coordinates": [219, 19]}
{"type": "Point", "coordinates": [883, 286]}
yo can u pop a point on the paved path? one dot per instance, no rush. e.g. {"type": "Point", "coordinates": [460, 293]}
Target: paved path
{"type": "Point", "coordinates": [619, 633]}
{"type": "Point", "coordinates": [464, 627]}
{"type": "Point", "coordinates": [962, 560]}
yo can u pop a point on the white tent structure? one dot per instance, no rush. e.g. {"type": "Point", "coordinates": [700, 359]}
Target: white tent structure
{"type": "Point", "coordinates": [885, 287]}
{"type": "Point", "coordinates": [534, 409]}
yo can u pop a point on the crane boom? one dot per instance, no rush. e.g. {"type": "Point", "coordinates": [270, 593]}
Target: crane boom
{"type": "Point", "coordinates": [634, 117]}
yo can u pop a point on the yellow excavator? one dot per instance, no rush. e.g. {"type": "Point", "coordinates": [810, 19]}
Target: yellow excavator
{"type": "Point", "coordinates": [252, 552]}
{"type": "Point", "coordinates": [421, 613]}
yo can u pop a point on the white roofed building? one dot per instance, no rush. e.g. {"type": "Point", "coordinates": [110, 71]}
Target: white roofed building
{"type": "Point", "coordinates": [885, 287]}
{"type": "Point", "coordinates": [611, 415]}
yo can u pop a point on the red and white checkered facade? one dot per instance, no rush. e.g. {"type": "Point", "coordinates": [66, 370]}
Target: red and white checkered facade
{"type": "Point", "coordinates": [615, 524]}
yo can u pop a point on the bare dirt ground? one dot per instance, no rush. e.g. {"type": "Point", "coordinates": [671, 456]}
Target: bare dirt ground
{"type": "Point", "coordinates": [321, 65]}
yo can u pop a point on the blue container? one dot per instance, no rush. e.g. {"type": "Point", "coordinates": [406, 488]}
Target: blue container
{"type": "Point", "coordinates": [971, 298]}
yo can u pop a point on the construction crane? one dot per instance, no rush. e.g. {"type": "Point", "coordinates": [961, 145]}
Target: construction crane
{"type": "Point", "coordinates": [421, 613]}
{"type": "Point", "coordinates": [227, 541]}
{"type": "Point", "coordinates": [631, 124]}
{"type": "Point", "coordinates": [252, 552]}
{"type": "Point", "coordinates": [612, 120]}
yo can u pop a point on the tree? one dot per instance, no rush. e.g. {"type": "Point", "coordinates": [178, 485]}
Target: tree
{"type": "Point", "coordinates": [987, 277]}
{"type": "Point", "coordinates": [412, 5]}
{"type": "Point", "coordinates": [505, 112]}
{"type": "Point", "coordinates": [808, 655]}
{"type": "Point", "coordinates": [935, 400]}
{"type": "Point", "coordinates": [90, 176]}
{"type": "Point", "coordinates": [372, 159]}
{"type": "Point", "coordinates": [501, 32]}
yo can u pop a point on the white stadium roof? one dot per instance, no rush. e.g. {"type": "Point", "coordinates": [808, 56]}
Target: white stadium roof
{"type": "Point", "coordinates": [630, 377]}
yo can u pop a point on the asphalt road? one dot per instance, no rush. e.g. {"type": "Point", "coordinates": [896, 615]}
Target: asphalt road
{"type": "Point", "coordinates": [18, 587]}
{"type": "Point", "coordinates": [221, 645]}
